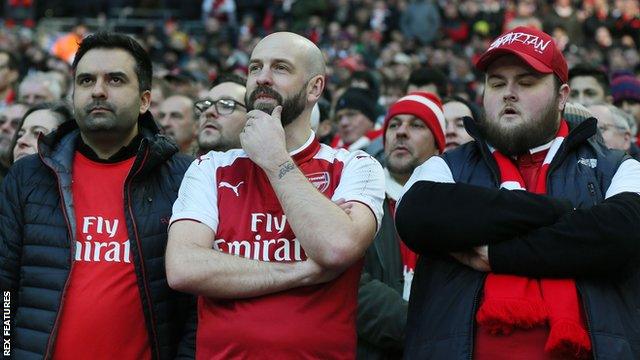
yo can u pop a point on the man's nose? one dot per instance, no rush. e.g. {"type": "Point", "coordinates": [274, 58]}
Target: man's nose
{"type": "Point", "coordinates": [264, 77]}
{"type": "Point", "coordinates": [99, 89]}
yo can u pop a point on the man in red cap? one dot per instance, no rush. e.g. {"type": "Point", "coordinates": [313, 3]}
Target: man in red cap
{"type": "Point", "coordinates": [413, 132]}
{"type": "Point", "coordinates": [544, 262]}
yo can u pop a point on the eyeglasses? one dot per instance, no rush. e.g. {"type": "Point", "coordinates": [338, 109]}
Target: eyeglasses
{"type": "Point", "coordinates": [605, 127]}
{"type": "Point", "coordinates": [223, 106]}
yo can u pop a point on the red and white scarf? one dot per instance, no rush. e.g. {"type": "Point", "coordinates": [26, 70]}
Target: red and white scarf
{"type": "Point", "coordinates": [518, 302]}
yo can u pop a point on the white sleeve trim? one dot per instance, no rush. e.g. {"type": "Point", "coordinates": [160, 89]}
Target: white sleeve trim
{"type": "Point", "coordinates": [434, 169]}
{"type": "Point", "coordinates": [626, 179]}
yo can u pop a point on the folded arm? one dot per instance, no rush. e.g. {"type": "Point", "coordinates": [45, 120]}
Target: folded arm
{"type": "Point", "coordinates": [332, 237]}
{"type": "Point", "coordinates": [598, 240]}
{"type": "Point", "coordinates": [481, 216]}
{"type": "Point", "coordinates": [193, 266]}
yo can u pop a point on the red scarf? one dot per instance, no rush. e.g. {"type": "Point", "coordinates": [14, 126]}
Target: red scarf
{"type": "Point", "coordinates": [518, 302]}
{"type": "Point", "coordinates": [361, 143]}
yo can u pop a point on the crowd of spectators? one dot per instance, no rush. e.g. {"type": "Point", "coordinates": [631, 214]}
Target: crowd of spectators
{"type": "Point", "coordinates": [389, 39]}
{"type": "Point", "coordinates": [381, 46]}
{"type": "Point", "coordinates": [402, 84]}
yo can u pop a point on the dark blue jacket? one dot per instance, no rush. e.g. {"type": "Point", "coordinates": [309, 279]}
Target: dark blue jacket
{"type": "Point", "coordinates": [37, 233]}
{"type": "Point", "coordinates": [445, 294]}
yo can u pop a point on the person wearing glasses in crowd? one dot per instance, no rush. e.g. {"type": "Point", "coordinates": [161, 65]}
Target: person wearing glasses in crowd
{"type": "Point", "coordinates": [618, 128]}
{"type": "Point", "coordinates": [222, 115]}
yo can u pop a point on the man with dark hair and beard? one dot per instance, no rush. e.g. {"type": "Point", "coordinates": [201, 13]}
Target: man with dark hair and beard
{"type": "Point", "coordinates": [413, 132]}
{"type": "Point", "coordinates": [545, 258]}
{"type": "Point", "coordinates": [271, 236]}
{"type": "Point", "coordinates": [83, 226]}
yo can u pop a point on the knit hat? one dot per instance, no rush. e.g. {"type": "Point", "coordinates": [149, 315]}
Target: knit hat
{"type": "Point", "coordinates": [625, 87]}
{"type": "Point", "coordinates": [358, 99]}
{"type": "Point", "coordinates": [575, 112]}
{"type": "Point", "coordinates": [427, 107]}
{"type": "Point", "coordinates": [532, 46]}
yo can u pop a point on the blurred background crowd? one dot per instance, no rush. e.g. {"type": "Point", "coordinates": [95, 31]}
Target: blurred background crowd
{"type": "Point", "coordinates": [386, 47]}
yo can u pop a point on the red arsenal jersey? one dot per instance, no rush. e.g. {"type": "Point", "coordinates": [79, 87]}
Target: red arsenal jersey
{"type": "Point", "coordinates": [102, 314]}
{"type": "Point", "coordinates": [233, 196]}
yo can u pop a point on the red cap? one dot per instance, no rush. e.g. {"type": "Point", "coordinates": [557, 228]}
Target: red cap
{"type": "Point", "coordinates": [533, 46]}
{"type": "Point", "coordinates": [427, 107]}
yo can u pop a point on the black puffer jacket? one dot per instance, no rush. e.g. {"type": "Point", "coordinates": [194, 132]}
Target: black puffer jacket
{"type": "Point", "coordinates": [37, 230]}
{"type": "Point", "coordinates": [529, 235]}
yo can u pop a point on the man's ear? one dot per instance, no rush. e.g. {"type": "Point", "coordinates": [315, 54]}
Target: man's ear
{"type": "Point", "coordinates": [315, 86]}
{"type": "Point", "coordinates": [563, 96]}
{"type": "Point", "coordinates": [145, 101]}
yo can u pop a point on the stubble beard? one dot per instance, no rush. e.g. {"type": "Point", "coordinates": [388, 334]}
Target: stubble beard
{"type": "Point", "coordinates": [402, 167]}
{"type": "Point", "coordinates": [216, 143]}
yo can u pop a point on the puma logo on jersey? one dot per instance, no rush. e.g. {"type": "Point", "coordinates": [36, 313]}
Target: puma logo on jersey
{"type": "Point", "coordinates": [234, 188]}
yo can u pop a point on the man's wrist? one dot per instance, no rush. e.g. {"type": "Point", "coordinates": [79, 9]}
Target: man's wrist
{"type": "Point", "coordinates": [280, 167]}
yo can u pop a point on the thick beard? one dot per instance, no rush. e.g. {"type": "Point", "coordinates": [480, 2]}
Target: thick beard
{"type": "Point", "coordinates": [291, 107]}
{"type": "Point", "coordinates": [517, 141]}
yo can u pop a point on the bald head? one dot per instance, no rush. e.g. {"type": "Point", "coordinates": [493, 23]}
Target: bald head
{"type": "Point", "coordinates": [285, 69]}
{"type": "Point", "coordinates": [300, 47]}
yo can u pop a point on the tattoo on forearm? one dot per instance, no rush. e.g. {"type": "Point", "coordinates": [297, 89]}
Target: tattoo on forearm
{"type": "Point", "coordinates": [285, 167]}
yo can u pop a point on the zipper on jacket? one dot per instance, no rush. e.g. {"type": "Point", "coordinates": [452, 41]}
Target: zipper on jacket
{"type": "Point", "coordinates": [587, 319]}
{"type": "Point", "coordinates": [476, 301]}
{"type": "Point", "coordinates": [154, 335]}
{"type": "Point", "coordinates": [54, 329]}
{"type": "Point", "coordinates": [592, 191]}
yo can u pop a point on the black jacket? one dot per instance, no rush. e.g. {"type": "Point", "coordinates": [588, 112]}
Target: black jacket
{"type": "Point", "coordinates": [382, 312]}
{"type": "Point", "coordinates": [37, 230]}
{"type": "Point", "coordinates": [529, 235]}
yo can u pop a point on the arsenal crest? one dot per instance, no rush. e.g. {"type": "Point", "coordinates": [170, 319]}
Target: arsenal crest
{"type": "Point", "coordinates": [320, 180]}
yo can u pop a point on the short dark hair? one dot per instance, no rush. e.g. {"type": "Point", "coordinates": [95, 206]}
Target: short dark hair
{"type": "Point", "coordinates": [109, 40]}
{"type": "Point", "coordinates": [476, 113]}
{"type": "Point", "coordinates": [591, 71]}
{"type": "Point", "coordinates": [229, 77]}
{"type": "Point", "coordinates": [60, 108]}
{"type": "Point", "coordinates": [426, 75]}
{"type": "Point", "coordinates": [12, 60]}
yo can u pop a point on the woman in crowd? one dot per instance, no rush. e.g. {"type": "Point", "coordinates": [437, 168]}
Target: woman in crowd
{"type": "Point", "coordinates": [455, 110]}
{"type": "Point", "coordinates": [39, 120]}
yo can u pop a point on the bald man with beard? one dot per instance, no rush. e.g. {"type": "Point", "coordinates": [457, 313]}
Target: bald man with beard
{"type": "Point", "coordinates": [271, 236]}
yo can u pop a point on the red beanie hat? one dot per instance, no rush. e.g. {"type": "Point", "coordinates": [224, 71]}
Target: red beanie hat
{"type": "Point", "coordinates": [427, 107]}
